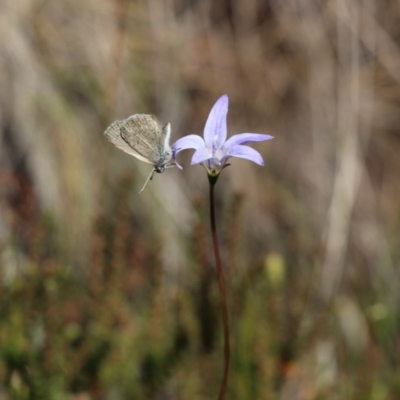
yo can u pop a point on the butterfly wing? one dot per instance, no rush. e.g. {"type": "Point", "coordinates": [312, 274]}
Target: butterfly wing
{"type": "Point", "coordinates": [165, 137]}
{"type": "Point", "coordinates": [142, 132]}
{"type": "Point", "coordinates": [134, 136]}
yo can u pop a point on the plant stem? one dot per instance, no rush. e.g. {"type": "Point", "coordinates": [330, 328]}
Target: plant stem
{"type": "Point", "coordinates": [222, 290]}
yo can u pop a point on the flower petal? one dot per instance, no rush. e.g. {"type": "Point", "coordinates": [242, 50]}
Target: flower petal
{"type": "Point", "coordinates": [200, 155]}
{"type": "Point", "coordinates": [215, 129]}
{"type": "Point", "coordinates": [245, 152]}
{"type": "Point", "coordinates": [243, 138]}
{"type": "Point", "coordinates": [188, 142]}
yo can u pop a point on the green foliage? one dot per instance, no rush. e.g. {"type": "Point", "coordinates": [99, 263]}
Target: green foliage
{"type": "Point", "coordinates": [119, 333]}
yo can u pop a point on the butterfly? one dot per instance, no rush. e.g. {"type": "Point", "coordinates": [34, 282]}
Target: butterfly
{"type": "Point", "coordinates": [141, 136]}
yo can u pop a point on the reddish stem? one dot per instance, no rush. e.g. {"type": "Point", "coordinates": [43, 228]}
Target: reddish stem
{"type": "Point", "coordinates": [222, 289]}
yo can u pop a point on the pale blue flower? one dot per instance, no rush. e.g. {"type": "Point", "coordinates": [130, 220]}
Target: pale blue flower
{"type": "Point", "coordinates": [214, 150]}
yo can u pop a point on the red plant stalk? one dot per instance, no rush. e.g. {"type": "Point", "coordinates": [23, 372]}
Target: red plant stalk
{"type": "Point", "coordinates": [222, 290]}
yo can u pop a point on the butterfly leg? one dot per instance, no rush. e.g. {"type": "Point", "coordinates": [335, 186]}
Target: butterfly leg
{"type": "Point", "coordinates": [150, 177]}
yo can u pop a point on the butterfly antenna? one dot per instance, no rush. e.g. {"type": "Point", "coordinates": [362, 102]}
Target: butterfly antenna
{"type": "Point", "coordinates": [150, 177]}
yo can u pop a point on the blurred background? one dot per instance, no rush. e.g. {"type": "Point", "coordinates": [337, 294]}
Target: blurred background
{"type": "Point", "coordinates": [107, 294]}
